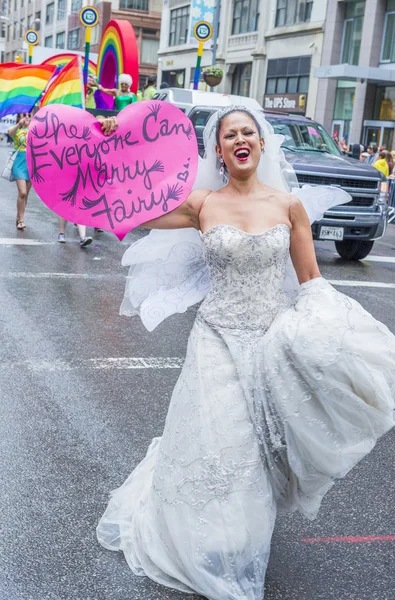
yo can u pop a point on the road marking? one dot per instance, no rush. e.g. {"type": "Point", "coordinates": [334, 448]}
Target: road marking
{"type": "Point", "coordinates": [371, 284]}
{"type": "Point", "coordinates": [367, 539]}
{"type": "Point", "coordinates": [376, 258]}
{"type": "Point", "coordinates": [149, 362]}
{"type": "Point", "coordinates": [23, 242]}
{"type": "Point", "coordinates": [24, 275]}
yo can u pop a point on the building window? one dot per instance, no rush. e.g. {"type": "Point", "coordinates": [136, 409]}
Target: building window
{"type": "Point", "coordinates": [245, 16]}
{"type": "Point", "coordinates": [61, 40]}
{"type": "Point", "coordinates": [76, 5]}
{"type": "Point", "coordinates": [49, 13]}
{"type": "Point", "coordinates": [384, 105]}
{"type": "Point", "coordinates": [174, 78]}
{"type": "Point", "coordinates": [388, 49]}
{"type": "Point", "coordinates": [3, 30]}
{"type": "Point", "coordinates": [48, 42]}
{"type": "Point", "coordinates": [134, 4]}
{"type": "Point", "coordinates": [2, 56]}
{"type": "Point", "coordinates": [352, 32]}
{"type": "Point", "coordinates": [242, 79]}
{"type": "Point", "coordinates": [288, 75]}
{"type": "Point", "coordinates": [95, 35]}
{"type": "Point", "coordinates": [38, 20]}
{"type": "Point", "coordinates": [61, 10]}
{"type": "Point", "coordinates": [74, 39]}
{"type": "Point", "coordinates": [179, 26]}
{"type": "Point", "coordinates": [149, 51]}
{"type": "Point", "coordinates": [291, 12]}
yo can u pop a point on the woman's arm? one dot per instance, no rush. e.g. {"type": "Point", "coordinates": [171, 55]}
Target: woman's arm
{"type": "Point", "coordinates": [186, 215]}
{"type": "Point", "coordinates": [12, 131]}
{"type": "Point", "coordinates": [106, 90]}
{"type": "Point", "coordinates": [302, 246]}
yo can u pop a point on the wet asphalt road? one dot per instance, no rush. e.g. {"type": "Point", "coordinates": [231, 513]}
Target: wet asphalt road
{"type": "Point", "coordinates": [74, 423]}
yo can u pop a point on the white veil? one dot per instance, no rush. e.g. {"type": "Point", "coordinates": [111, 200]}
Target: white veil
{"type": "Point", "coordinates": [167, 271]}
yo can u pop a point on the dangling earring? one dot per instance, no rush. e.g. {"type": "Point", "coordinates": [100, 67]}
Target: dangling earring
{"type": "Point", "coordinates": [262, 150]}
{"type": "Point", "coordinates": [222, 169]}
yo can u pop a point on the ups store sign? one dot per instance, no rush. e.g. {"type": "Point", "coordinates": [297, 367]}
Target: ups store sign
{"type": "Point", "coordinates": [287, 103]}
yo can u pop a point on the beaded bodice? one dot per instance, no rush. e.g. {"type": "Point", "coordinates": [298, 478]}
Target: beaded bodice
{"type": "Point", "coordinates": [247, 276]}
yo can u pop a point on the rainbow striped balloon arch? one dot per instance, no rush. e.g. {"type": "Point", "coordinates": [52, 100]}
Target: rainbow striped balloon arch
{"type": "Point", "coordinates": [118, 54]}
{"type": "Point", "coordinates": [60, 60]}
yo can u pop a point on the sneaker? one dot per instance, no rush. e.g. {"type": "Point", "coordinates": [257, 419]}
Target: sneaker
{"type": "Point", "coordinates": [85, 241]}
{"type": "Point", "coordinates": [61, 238]}
{"type": "Point", "coordinates": [99, 229]}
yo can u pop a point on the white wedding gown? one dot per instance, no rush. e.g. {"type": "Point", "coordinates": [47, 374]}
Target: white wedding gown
{"type": "Point", "coordinates": [275, 401]}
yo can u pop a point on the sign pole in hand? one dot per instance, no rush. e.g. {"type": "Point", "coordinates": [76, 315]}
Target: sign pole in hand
{"type": "Point", "coordinates": [32, 39]}
{"type": "Point", "coordinates": [89, 17]}
{"type": "Point", "coordinates": [202, 32]}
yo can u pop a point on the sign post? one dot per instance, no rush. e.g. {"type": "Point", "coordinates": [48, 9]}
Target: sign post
{"type": "Point", "coordinates": [32, 38]}
{"type": "Point", "coordinates": [89, 17]}
{"type": "Point", "coordinates": [202, 32]}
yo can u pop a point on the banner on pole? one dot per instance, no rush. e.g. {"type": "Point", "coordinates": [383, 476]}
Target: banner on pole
{"type": "Point", "coordinates": [201, 10]}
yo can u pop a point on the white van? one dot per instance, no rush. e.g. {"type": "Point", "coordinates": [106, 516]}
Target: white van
{"type": "Point", "coordinates": [199, 106]}
{"type": "Point", "coordinates": [186, 99]}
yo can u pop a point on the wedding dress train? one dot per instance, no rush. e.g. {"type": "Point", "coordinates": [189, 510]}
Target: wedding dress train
{"type": "Point", "coordinates": [277, 398]}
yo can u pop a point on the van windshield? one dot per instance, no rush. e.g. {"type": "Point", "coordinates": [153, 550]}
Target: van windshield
{"type": "Point", "coordinates": [306, 137]}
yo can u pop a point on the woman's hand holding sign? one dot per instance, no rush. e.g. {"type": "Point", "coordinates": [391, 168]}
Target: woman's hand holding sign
{"type": "Point", "coordinates": [108, 124]}
{"type": "Point", "coordinates": [113, 173]}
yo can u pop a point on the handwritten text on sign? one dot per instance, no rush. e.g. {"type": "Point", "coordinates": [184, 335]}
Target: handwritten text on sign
{"type": "Point", "coordinates": [143, 170]}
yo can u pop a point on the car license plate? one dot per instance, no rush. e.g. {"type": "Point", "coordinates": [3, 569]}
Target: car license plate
{"type": "Point", "coordinates": [332, 233]}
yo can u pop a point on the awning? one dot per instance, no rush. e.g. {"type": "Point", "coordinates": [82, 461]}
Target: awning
{"type": "Point", "coordinates": [356, 73]}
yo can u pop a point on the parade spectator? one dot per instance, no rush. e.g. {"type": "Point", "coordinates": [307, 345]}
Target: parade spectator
{"type": "Point", "coordinates": [344, 146]}
{"type": "Point", "coordinates": [150, 90]}
{"type": "Point", "coordinates": [390, 161]}
{"type": "Point", "coordinates": [84, 239]}
{"type": "Point", "coordinates": [164, 85]}
{"type": "Point", "coordinates": [373, 154]}
{"type": "Point", "coordinates": [364, 156]}
{"type": "Point", "coordinates": [19, 169]}
{"type": "Point", "coordinates": [382, 163]}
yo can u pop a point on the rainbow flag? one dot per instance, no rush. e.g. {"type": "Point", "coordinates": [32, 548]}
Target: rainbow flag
{"type": "Point", "coordinates": [67, 87]}
{"type": "Point", "coordinates": [21, 86]}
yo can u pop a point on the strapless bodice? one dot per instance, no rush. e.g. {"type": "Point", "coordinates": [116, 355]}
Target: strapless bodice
{"type": "Point", "coordinates": [247, 276]}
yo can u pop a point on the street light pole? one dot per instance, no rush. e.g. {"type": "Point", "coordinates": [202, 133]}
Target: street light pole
{"type": "Point", "coordinates": [217, 10]}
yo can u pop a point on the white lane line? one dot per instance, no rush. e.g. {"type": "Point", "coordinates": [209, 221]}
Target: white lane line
{"type": "Point", "coordinates": [384, 259]}
{"type": "Point", "coordinates": [23, 242]}
{"type": "Point", "coordinates": [22, 275]}
{"type": "Point", "coordinates": [372, 284]}
{"type": "Point", "coordinates": [149, 362]}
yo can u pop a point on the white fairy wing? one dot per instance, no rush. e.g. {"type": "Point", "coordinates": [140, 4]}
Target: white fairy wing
{"type": "Point", "coordinates": [167, 275]}
{"type": "Point", "coordinates": [316, 201]}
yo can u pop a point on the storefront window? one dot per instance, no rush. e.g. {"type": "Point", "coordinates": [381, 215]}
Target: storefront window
{"type": "Point", "coordinates": [352, 32]}
{"type": "Point", "coordinates": [388, 50]}
{"type": "Point", "coordinates": [175, 78]}
{"type": "Point", "coordinates": [344, 104]}
{"type": "Point", "coordinates": [384, 106]}
{"type": "Point", "coordinates": [242, 79]}
{"type": "Point", "coordinates": [344, 101]}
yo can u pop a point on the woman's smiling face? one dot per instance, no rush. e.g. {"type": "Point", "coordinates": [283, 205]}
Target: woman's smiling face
{"type": "Point", "coordinates": [240, 144]}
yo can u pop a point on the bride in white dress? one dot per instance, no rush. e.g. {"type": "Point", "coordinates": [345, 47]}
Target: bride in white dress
{"type": "Point", "coordinates": [285, 386]}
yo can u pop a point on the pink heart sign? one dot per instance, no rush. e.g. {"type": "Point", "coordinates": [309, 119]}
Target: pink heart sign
{"type": "Point", "coordinates": [143, 170]}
